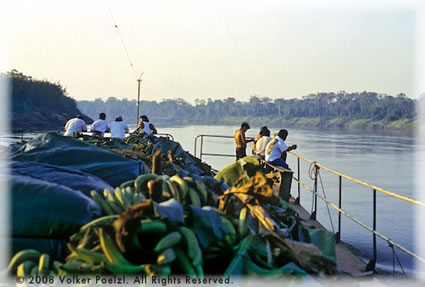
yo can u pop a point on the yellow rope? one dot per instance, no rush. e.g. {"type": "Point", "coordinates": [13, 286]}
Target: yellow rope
{"type": "Point", "coordinates": [392, 194]}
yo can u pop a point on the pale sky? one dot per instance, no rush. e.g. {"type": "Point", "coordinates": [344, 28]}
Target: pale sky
{"type": "Point", "coordinates": [214, 49]}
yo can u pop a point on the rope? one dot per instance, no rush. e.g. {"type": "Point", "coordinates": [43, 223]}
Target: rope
{"type": "Point", "coordinates": [398, 260]}
{"type": "Point", "coordinates": [313, 170]}
{"type": "Point", "coordinates": [122, 41]}
{"type": "Point", "coordinates": [327, 205]}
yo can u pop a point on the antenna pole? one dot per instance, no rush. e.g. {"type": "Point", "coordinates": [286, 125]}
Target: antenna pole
{"type": "Point", "coordinates": [139, 80]}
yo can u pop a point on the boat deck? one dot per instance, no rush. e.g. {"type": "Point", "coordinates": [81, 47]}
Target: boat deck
{"type": "Point", "coordinates": [346, 262]}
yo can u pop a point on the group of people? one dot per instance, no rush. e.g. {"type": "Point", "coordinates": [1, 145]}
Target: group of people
{"type": "Point", "coordinates": [117, 128]}
{"type": "Point", "coordinates": [271, 150]}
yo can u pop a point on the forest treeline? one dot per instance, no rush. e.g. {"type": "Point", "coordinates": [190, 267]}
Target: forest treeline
{"type": "Point", "coordinates": [332, 109]}
{"type": "Point", "coordinates": [38, 104]}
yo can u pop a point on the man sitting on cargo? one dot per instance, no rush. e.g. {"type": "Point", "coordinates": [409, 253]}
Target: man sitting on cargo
{"type": "Point", "coordinates": [145, 126]}
{"type": "Point", "coordinates": [241, 141]}
{"type": "Point", "coordinates": [277, 148]}
{"type": "Point", "coordinates": [118, 128]}
{"type": "Point", "coordinates": [260, 151]}
{"type": "Point", "coordinates": [75, 125]}
{"type": "Point", "coordinates": [100, 126]}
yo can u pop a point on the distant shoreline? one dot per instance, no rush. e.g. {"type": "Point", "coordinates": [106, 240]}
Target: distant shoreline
{"type": "Point", "coordinates": [403, 125]}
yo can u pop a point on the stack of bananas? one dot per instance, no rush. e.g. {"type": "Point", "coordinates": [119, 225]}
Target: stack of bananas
{"type": "Point", "coordinates": [131, 238]}
{"type": "Point", "coordinates": [151, 186]}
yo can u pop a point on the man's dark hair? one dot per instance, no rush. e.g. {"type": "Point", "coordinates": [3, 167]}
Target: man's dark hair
{"type": "Point", "coordinates": [245, 125]}
{"type": "Point", "coordinates": [79, 117]}
{"type": "Point", "coordinates": [283, 134]}
{"type": "Point", "coordinates": [144, 118]}
{"type": "Point", "coordinates": [118, 119]}
{"type": "Point", "coordinates": [102, 116]}
{"type": "Point", "coordinates": [264, 130]}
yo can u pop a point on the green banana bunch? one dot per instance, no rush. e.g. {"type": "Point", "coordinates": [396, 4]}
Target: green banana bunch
{"type": "Point", "coordinates": [166, 257]}
{"type": "Point", "coordinates": [182, 185]}
{"type": "Point", "coordinates": [21, 257]}
{"type": "Point", "coordinates": [112, 201]}
{"type": "Point", "coordinates": [110, 249]}
{"type": "Point", "coordinates": [243, 222]}
{"type": "Point", "coordinates": [102, 203]}
{"type": "Point", "coordinates": [141, 182]}
{"type": "Point", "coordinates": [168, 241]}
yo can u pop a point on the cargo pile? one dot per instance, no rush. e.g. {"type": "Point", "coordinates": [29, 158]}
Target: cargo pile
{"type": "Point", "coordinates": [181, 221]}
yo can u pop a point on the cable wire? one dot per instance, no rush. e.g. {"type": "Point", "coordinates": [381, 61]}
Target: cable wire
{"type": "Point", "coordinates": [122, 40]}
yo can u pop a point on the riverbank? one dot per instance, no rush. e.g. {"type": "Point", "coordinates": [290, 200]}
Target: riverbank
{"type": "Point", "coordinates": [402, 125]}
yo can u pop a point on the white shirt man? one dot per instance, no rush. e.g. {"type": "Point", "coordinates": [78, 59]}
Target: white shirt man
{"type": "Point", "coordinates": [118, 128]}
{"type": "Point", "coordinates": [260, 146]}
{"type": "Point", "coordinates": [100, 126]}
{"type": "Point", "coordinates": [75, 125]}
{"type": "Point", "coordinates": [274, 149]}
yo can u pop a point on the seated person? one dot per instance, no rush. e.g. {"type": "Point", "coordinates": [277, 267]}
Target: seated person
{"type": "Point", "coordinates": [260, 150]}
{"type": "Point", "coordinates": [145, 126]}
{"type": "Point", "coordinates": [276, 147]}
{"type": "Point", "coordinates": [100, 126]}
{"type": "Point", "coordinates": [75, 125]}
{"type": "Point", "coordinates": [118, 128]}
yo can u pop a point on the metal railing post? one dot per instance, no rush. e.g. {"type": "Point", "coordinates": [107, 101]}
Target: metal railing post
{"type": "Point", "coordinates": [194, 148]}
{"type": "Point", "coordinates": [316, 172]}
{"type": "Point", "coordinates": [338, 235]}
{"type": "Point", "coordinates": [371, 265]}
{"type": "Point", "coordinates": [297, 201]}
{"type": "Point", "coordinates": [202, 143]}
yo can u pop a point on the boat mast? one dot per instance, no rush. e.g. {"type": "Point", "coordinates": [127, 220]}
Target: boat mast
{"type": "Point", "coordinates": [139, 80]}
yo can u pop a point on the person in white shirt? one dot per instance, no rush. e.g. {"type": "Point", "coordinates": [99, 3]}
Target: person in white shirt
{"type": "Point", "coordinates": [276, 147]}
{"type": "Point", "coordinates": [145, 126]}
{"type": "Point", "coordinates": [75, 125]}
{"type": "Point", "coordinates": [260, 149]}
{"type": "Point", "coordinates": [100, 126]}
{"type": "Point", "coordinates": [118, 128]}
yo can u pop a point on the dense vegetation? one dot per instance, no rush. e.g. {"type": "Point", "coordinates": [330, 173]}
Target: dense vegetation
{"type": "Point", "coordinates": [366, 109]}
{"type": "Point", "coordinates": [39, 104]}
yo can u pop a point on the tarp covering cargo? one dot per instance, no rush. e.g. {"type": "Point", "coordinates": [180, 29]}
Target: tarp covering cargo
{"type": "Point", "coordinates": [72, 178]}
{"type": "Point", "coordinates": [48, 210]}
{"type": "Point", "coordinates": [52, 148]}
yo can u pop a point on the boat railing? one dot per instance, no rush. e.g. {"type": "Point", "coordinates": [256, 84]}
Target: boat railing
{"type": "Point", "coordinates": [315, 167]}
{"type": "Point", "coordinates": [201, 139]}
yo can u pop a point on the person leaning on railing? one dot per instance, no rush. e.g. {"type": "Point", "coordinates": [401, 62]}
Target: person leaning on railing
{"type": "Point", "coordinates": [241, 141]}
{"type": "Point", "coordinates": [276, 150]}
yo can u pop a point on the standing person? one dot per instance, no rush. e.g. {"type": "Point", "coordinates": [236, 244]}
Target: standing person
{"type": "Point", "coordinates": [100, 126]}
{"type": "Point", "coordinates": [260, 152]}
{"type": "Point", "coordinates": [241, 141]}
{"type": "Point", "coordinates": [276, 147]}
{"type": "Point", "coordinates": [118, 128]}
{"type": "Point", "coordinates": [145, 126]}
{"type": "Point", "coordinates": [75, 125]}
{"type": "Point", "coordinates": [257, 137]}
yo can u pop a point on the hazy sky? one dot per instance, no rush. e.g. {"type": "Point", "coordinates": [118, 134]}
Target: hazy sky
{"type": "Point", "coordinates": [214, 49]}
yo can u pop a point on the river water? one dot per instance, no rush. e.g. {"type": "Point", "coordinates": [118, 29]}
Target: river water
{"type": "Point", "coordinates": [384, 160]}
